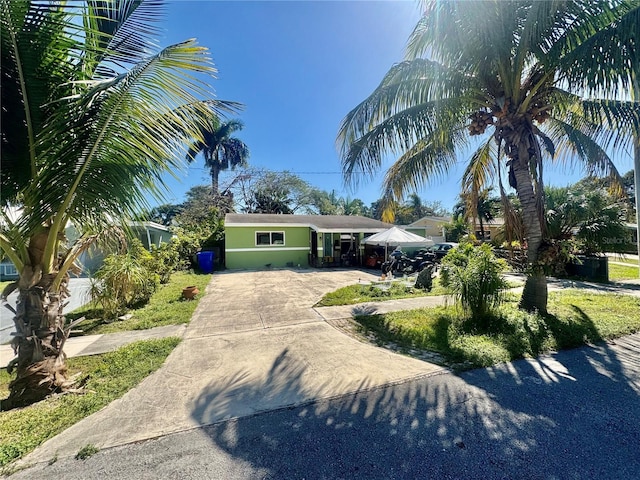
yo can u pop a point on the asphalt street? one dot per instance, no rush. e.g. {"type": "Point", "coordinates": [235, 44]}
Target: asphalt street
{"type": "Point", "coordinates": [79, 288]}
{"type": "Point", "coordinates": [572, 415]}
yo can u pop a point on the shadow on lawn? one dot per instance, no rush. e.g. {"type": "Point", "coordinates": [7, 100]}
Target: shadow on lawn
{"type": "Point", "coordinates": [570, 415]}
{"type": "Point", "coordinates": [518, 334]}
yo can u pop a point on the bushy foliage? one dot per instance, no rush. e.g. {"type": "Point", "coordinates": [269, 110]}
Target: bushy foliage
{"type": "Point", "coordinates": [456, 229]}
{"type": "Point", "coordinates": [473, 276]}
{"type": "Point", "coordinates": [166, 260]}
{"type": "Point", "coordinates": [588, 213]}
{"type": "Point", "coordinates": [555, 255]}
{"type": "Point", "coordinates": [124, 280]}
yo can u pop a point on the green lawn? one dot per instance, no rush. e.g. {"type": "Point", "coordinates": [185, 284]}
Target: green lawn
{"type": "Point", "coordinates": [575, 318]}
{"type": "Point", "coordinates": [622, 272]}
{"type": "Point", "coordinates": [109, 376]}
{"type": "Point", "coordinates": [630, 261]}
{"type": "Point", "coordinates": [166, 307]}
{"type": "Point", "coordinates": [360, 293]}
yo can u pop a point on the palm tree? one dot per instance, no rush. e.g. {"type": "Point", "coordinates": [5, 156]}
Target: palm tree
{"type": "Point", "coordinates": [91, 120]}
{"type": "Point", "coordinates": [221, 151]}
{"type": "Point", "coordinates": [480, 206]}
{"type": "Point", "coordinates": [520, 82]}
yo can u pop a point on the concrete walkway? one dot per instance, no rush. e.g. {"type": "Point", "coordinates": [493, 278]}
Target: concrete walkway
{"type": "Point", "coordinates": [96, 344]}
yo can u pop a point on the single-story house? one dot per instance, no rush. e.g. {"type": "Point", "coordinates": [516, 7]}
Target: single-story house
{"type": "Point", "coordinates": [149, 233]}
{"type": "Point", "coordinates": [493, 229]}
{"type": "Point", "coordinates": [265, 240]}
{"type": "Point", "coordinates": [429, 227]}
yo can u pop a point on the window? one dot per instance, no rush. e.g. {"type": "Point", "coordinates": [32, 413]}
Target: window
{"type": "Point", "coordinates": [9, 269]}
{"type": "Point", "coordinates": [269, 238]}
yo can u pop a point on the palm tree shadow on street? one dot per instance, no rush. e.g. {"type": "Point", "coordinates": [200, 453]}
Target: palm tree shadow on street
{"type": "Point", "coordinates": [572, 414]}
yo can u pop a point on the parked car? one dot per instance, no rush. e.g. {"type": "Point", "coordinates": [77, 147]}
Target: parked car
{"type": "Point", "coordinates": [439, 250]}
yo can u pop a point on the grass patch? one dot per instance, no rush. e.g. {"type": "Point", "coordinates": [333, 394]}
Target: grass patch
{"type": "Point", "coordinates": [574, 318]}
{"type": "Point", "coordinates": [629, 261]}
{"type": "Point", "coordinates": [166, 307]}
{"type": "Point", "coordinates": [622, 272]}
{"type": "Point", "coordinates": [110, 376]}
{"type": "Point", "coordinates": [360, 293]}
{"type": "Point", "coordinates": [87, 451]}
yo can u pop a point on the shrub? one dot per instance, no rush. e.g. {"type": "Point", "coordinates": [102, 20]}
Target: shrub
{"type": "Point", "coordinates": [473, 276]}
{"type": "Point", "coordinates": [456, 229]}
{"type": "Point", "coordinates": [166, 260]}
{"type": "Point", "coordinates": [125, 280]}
{"type": "Point", "coordinates": [425, 279]}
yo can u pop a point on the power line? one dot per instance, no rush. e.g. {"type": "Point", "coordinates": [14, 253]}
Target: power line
{"type": "Point", "coordinates": [289, 171]}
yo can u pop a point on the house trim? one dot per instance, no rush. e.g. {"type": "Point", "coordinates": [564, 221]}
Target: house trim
{"type": "Point", "coordinates": [267, 249]}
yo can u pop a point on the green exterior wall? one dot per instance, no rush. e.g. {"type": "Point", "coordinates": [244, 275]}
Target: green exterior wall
{"type": "Point", "coordinates": [257, 256]}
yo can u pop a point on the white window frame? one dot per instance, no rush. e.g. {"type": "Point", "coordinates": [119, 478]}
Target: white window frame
{"type": "Point", "coordinates": [271, 242]}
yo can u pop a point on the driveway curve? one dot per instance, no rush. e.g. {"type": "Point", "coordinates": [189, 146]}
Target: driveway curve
{"type": "Point", "coordinates": [254, 344]}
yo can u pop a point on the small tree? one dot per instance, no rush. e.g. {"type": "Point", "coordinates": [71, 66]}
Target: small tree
{"type": "Point", "coordinates": [124, 280]}
{"type": "Point", "coordinates": [473, 276]}
{"type": "Point", "coordinates": [456, 229]}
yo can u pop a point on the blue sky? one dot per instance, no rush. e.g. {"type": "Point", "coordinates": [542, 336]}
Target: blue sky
{"type": "Point", "coordinates": [299, 67]}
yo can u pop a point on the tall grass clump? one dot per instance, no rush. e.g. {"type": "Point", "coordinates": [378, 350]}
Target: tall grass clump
{"type": "Point", "coordinates": [473, 275]}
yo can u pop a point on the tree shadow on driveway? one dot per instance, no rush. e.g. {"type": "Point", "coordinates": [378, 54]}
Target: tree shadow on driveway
{"type": "Point", "coordinates": [574, 414]}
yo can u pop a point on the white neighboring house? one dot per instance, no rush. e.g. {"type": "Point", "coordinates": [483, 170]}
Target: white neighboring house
{"type": "Point", "coordinates": [149, 233]}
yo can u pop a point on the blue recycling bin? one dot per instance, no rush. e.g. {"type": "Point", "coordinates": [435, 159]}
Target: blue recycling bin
{"type": "Point", "coordinates": [205, 261]}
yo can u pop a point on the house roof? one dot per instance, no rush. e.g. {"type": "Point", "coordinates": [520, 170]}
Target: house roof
{"type": "Point", "coordinates": [494, 222]}
{"type": "Point", "coordinates": [429, 219]}
{"type": "Point", "coordinates": [322, 223]}
{"type": "Point", "coordinates": [150, 225]}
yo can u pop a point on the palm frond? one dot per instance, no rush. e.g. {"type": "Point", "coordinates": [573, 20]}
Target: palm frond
{"type": "Point", "coordinates": [469, 35]}
{"type": "Point", "coordinates": [405, 85]}
{"type": "Point", "coordinates": [600, 54]}
{"type": "Point", "coordinates": [573, 144]}
{"type": "Point", "coordinates": [36, 37]}
{"type": "Point", "coordinates": [123, 139]}
{"type": "Point", "coordinates": [119, 33]}
{"type": "Point", "coordinates": [426, 161]}
{"type": "Point", "coordinates": [480, 170]}
{"type": "Point", "coordinates": [233, 153]}
{"type": "Point", "coordinates": [618, 121]}
{"type": "Point", "coordinates": [400, 132]}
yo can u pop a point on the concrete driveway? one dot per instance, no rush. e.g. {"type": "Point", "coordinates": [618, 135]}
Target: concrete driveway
{"type": "Point", "coordinates": [254, 344]}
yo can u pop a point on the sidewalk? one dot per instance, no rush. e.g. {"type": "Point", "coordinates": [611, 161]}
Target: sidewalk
{"type": "Point", "coordinates": [95, 344]}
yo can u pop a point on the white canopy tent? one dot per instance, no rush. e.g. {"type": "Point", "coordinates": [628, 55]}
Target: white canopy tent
{"type": "Point", "coordinates": [397, 237]}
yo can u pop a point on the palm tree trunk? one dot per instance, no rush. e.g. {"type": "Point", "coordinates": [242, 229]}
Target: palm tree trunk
{"type": "Point", "coordinates": [636, 179]}
{"type": "Point", "coordinates": [535, 293]}
{"type": "Point", "coordinates": [635, 95]}
{"type": "Point", "coordinates": [215, 186]}
{"type": "Point", "coordinates": [40, 336]}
